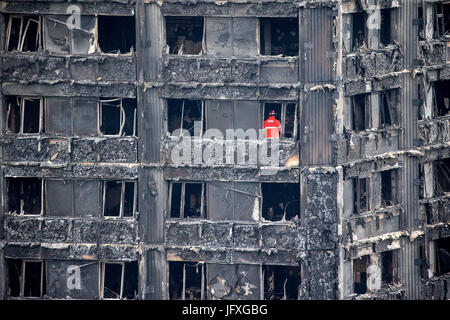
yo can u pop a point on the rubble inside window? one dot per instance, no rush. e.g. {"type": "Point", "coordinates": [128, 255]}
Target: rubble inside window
{"type": "Point", "coordinates": [118, 117]}
{"type": "Point", "coordinates": [286, 113]}
{"type": "Point", "coordinates": [388, 108]}
{"type": "Point", "coordinates": [116, 34]}
{"type": "Point", "coordinates": [26, 279]}
{"type": "Point", "coordinates": [25, 196]}
{"type": "Point", "coordinates": [187, 200]}
{"type": "Point", "coordinates": [183, 115]}
{"type": "Point", "coordinates": [119, 280]}
{"type": "Point", "coordinates": [388, 188]}
{"type": "Point", "coordinates": [359, 30]}
{"type": "Point", "coordinates": [442, 256]}
{"type": "Point", "coordinates": [360, 195]}
{"type": "Point", "coordinates": [119, 198]}
{"type": "Point", "coordinates": [184, 35]}
{"type": "Point", "coordinates": [24, 115]}
{"type": "Point", "coordinates": [361, 112]}
{"type": "Point", "coordinates": [280, 201]}
{"type": "Point", "coordinates": [186, 281]}
{"type": "Point", "coordinates": [24, 33]}
{"type": "Point", "coordinates": [442, 176]}
{"type": "Point", "coordinates": [279, 36]}
{"type": "Point", "coordinates": [442, 98]}
{"type": "Point", "coordinates": [281, 282]}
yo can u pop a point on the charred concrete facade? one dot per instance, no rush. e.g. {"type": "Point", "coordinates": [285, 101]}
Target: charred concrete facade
{"type": "Point", "coordinates": [94, 207]}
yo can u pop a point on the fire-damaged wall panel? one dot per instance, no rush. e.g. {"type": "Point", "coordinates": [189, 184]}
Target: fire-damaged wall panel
{"type": "Point", "coordinates": [219, 115]}
{"type": "Point", "coordinates": [155, 288]}
{"type": "Point", "coordinates": [218, 36]}
{"type": "Point", "coordinates": [72, 279]}
{"type": "Point", "coordinates": [316, 128]}
{"type": "Point", "coordinates": [245, 37]}
{"type": "Point", "coordinates": [86, 198]}
{"type": "Point", "coordinates": [235, 282]}
{"type": "Point", "coordinates": [58, 116]}
{"type": "Point", "coordinates": [316, 44]}
{"type": "Point", "coordinates": [233, 201]}
{"type": "Point", "coordinates": [85, 117]}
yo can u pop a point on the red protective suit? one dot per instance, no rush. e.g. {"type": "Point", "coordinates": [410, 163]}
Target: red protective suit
{"type": "Point", "coordinates": [272, 127]}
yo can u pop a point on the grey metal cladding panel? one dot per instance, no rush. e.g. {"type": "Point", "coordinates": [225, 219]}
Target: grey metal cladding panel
{"type": "Point", "coordinates": [220, 200]}
{"type": "Point", "coordinates": [246, 203]}
{"type": "Point", "coordinates": [150, 22]}
{"type": "Point", "coordinates": [62, 279]}
{"type": "Point", "coordinates": [85, 117]}
{"type": "Point", "coordinates": [316, 122]}
{"type": "Point", "coordinates": [56, 35]}
{"type": "Point", "coordinates": [86, 198]}
{"type": "Point", "coordinates": [248, 282]}
{"type": "Point", "coordinates": [58, 116]}
{"type": "Point", "coordinates": [279, 72]}
{"type": "Point", "coordinates": [59, 194]}
{"type": "Point", "coordinates": [246, 115]}
{"type": "Point", "coordinates": [219, 115]}
{"type": "Point", "coordinates": [150, 121]}
{"type": "Point", "coordinates": [316, 45]}
{"type": "Point", "coordinates": [218, 36]}
{"type": "Point", "coordinates": [152, 205]}
{"type": "Point", "coordinates": [83, 40]}
{"type": "Point", "coordinates": [156, 275]}
{"type": "Point", "coordinates": [245, 32]}
{"type": "Point", "coordinates": [221, 280]}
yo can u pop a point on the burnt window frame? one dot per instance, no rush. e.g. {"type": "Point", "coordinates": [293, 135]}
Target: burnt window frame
{"type": "Point", "coordinates": [283, 219]}
{"type": "Point", "coordinates": [356, 185]}
{"type": "Point", "coordinates": [122, 198]}
{"type": "Point", "coordinates": [263, 270]}
{"type": "Point", "coordinates": [97, 42]}
{"type": "Point", "coordinates": [22, 203]}
{"type": "Point", "coordinates": [367, 111]}
{"type": "Point", "coordinates": [166, 44]}
{"type": "Point", "coordinates": [434, 112]}
{"type": "Point", "coordinates": [122, 117]}
{"type": "Point", "coordinates": [203, 284]}
{"type": "Point", "coordinates": [23, 32]}
{"type": "Point", "coordinates": [283, 109]}
{"type": "Point", "coordinates": [394, 188]}
{"type": "Point", "coordinates": [391, 98]}
{"type": "Point", "coordinates": [438, 190]}
{"type": "Point", "coordinates": [181, 129]}
{"type": "Point", "coordinates": [261, 36]}
{"type": "Point", "coordinates": [102, 274]}
{"type": "Point", "coordinates": [21, 102]}
{"type": "Point", "coordinates": [354, 46]}
{"type": "Point", "coordinates": [203, 201]}
{"type": "Point", "coordinates": [440, 31]}
{"type": "Point", "coordinates": [22, 279]}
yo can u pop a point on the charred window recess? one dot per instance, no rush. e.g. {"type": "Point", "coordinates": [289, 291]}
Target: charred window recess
{"type": "Point", "coordinates": [26, 279]}
{"type": "Point", "coordinates": [442, 176]}
{"type": "Point", "coordinates": [359, 30]}
{"type": "Point", "coordinates": [184, 35]}
{"type": "Point", "coordinates": [25, 196]}
{"type": "Point", "coordinates": [286, 113]}
{"type": "Point", "coordinates": [187, 200]}
{"type": "Point", "coordinates": [119, 198]}
{"type": "Point", "coordinates": [279, 36]}
{"type": "Point", "coordinates": [24, 33]}
{"type": "Point", "coordinates": [389, 267]}
{"type": "Point", "coordinates": [360, 274]}
{"type": "Point", "coordinates": [116, 34]}
{"type": "Point", "coordinates": [421, 178]}
{"type": "Point", "coordinates": [119, 280]}
{"type": "Point", "coordinates": [281, 282]}
{"type": "Point", "coordinates": [442, 98]}
{"type": "Point", "coordinates": [185, 115]}
{"type": "Point", "coordinates": [360, 195]}
{"type": "Point", "coordinates": [385, 30]}
{"type": "Point", "coordinates": [442, 256]}
{"type": "Point", "coordinates": [186, 280]}
{"type": "Point", "coordinates": [420, 97]}
{"type": "Point", "coordinates": [388, 188]}
{"type": "Point", "coordinates": [24, 115]}
{"type": "Point", "coordinates": [388, 108]}
{"type": "Point", "coordinates": [117, 117]}
{"type": "Point", "coordinates": [361, 112]}
{"type": "Point", "coordinates": [442, 20]}
{"type": "Point", "coordinates": [280, 201]}
{"type": "Point", "coordinates": [420, 15]}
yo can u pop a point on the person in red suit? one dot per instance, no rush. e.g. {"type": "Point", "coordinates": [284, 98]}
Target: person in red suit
{"type": "Point", "coordinates": [272, 127]}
